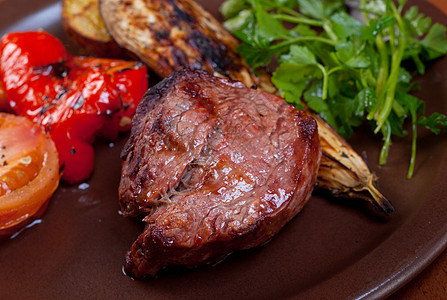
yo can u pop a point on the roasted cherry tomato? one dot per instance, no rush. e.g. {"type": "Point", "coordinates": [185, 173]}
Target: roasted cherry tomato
{"type": "Point", "coordinates": [72, 98]}
{"type": "Point", "coordinates": [29, 172]}
{"type": "Point", "coordinates": [4, 105]}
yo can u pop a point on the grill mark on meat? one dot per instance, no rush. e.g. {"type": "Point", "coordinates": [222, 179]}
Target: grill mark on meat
{"type": "Point", "coordinates": [190, 89]}
{"type": "Point", "coordinates": [306, 128]}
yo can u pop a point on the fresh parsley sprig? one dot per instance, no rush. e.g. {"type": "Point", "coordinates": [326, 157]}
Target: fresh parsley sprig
{"type": "Point", "coordinates": [344, 69]}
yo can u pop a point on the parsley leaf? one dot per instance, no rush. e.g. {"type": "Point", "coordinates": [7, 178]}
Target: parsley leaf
{"type": "Point", "coordinates": [435, 42]}
{"type": "Point", "coordinates": [346, 70]}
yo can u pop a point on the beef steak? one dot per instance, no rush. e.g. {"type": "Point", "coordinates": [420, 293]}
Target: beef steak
{"type": "Point", "coordinates": [212, 166]}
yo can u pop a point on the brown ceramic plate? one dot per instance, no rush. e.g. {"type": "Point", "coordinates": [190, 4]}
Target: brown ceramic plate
{"type": "Point", "coordinates": [333, 249]}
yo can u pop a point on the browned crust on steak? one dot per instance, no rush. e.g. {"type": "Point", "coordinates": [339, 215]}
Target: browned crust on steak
{"type": "Point", "coordinates": [213, 167]}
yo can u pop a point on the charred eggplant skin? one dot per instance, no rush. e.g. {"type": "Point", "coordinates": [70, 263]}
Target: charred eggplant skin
{"type": "Point", "coordinates": [172, 35]}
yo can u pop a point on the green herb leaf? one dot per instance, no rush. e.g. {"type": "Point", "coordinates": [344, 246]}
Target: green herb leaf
{"type": "Point", "coordinates": [345, 26]}
{"type": "Point", "coordinates": [294, 74]}
{"type": "Point", "coordinates": [312, 8]}
{"type": "Point", "coordinates": [304, 30]}
{"type": "Point", "coordinates": [268, 28]}
{"type": "Point", "coordinates": [231, 8]}
{"type": "Point", "coordinates": [376, 7]}
{"type": "Point", "coordinates": [417, 24]}
{"type": "Point", "coordinates": [299, 55]}
{"type": "Point", "coordinates": [376, 27]}
{"type": "Point", "coordinates": [256, 55]}
{"type": "Point", "coordinates": [435, 42]}
{"type": "Point", "coordinates": [237, 22]}
{"type": "Point", "coordinates": [345, 70]}
{"type": "Point", "coordinates": [350, 55]}
{"type": "Point", "coordinates": [434, 122]}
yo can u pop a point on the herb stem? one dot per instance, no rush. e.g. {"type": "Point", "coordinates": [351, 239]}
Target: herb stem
{"type": "Point", "coordinates": [327, 26]}
{"type": "Point", "coordinates": [384, 64]}
{"type": "Point", "coordinates": [325, 80]}
{"type": "Point", "coordinates": [287, 43]}
{"type": "Point", "coordinates": [386, 132]}
{"type": "Point", "coordinates": [392, 40]}
{"type": "Point", "coordinates": [397, 56]}
{"type": "Point", "coordinates": [333, 70]}
{"type": "Point", "coordinates": [290, 11]}
{"type": "Point", "coordinates": [364, 13]}
{"type": "Point", "coordinates": [413, 148]}
{"type": "Point", "coordinates": [398, 109]}
{"type": "Point", "coordinates": [390, 88]}
{"type": "Point", "coordinates": [298, 20]}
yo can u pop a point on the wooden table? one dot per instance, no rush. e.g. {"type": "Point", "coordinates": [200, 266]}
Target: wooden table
{"type": "Point", "coordinates": [432, 282]}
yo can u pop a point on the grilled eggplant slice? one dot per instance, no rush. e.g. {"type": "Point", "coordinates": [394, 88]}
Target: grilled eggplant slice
{"type": "Point", "coordinates": [169, 35]}
{"type": "Point", "coordinates": [84, 26]}
{"type": "Point", "coordinates": [172, 35]}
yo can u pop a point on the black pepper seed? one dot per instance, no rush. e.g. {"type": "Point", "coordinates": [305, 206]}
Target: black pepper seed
{"type": "Point", "coordinates": [61, 93]}
{"type": "Point", "coordinates": [45, 107]}
{"type": "Point", "coordinates": [73, 151]}
{"type": "Point", "coordinates": [4, 163]}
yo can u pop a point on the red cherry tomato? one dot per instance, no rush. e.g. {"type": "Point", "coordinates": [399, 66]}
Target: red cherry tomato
{"type": "Point", "coordinates": [4, 105]}
{"type": "Point", "coordinates": [73, 98]}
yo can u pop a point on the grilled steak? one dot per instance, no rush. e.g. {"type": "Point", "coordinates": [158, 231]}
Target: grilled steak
{"type": "Point", "coordinates": [212, 166]}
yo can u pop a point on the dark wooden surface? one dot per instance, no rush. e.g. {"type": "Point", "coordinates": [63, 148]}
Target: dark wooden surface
{"type": "Point", "coordinates": [430, 284]}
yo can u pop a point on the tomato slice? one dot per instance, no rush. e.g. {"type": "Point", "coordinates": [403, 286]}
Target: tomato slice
{"type": "Point", "coordinates": [29, 172]}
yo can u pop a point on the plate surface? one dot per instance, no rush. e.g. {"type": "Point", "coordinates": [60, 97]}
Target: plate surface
{"type": "Point", "coordinates": [333, 249]}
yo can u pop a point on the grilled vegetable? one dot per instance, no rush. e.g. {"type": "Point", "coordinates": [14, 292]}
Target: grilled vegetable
{"type": "Point", "coordinates": [29, 172]}
{"type": "Point", "coordinates": [72, 98]}
{"type": "Point", "coordinates": [4, 105]}
{"type": "Point", "coordinates": [84, 26]}
{"type": "Point", "coordinates": [344, 172]}
{"type": "Point", "coordinates": [170, 35]}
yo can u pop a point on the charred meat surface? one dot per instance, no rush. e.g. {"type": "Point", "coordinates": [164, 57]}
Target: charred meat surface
{"type": "Point", "coordinates": [212, 166]}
